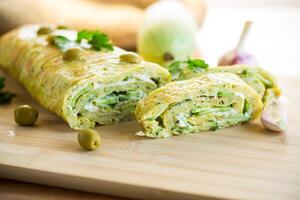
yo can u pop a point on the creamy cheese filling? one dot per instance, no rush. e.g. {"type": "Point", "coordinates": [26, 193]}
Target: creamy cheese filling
{"type": "Point", "coordinates": [110, 103]}
{"type": "Point", "coordinates": [205, 113]}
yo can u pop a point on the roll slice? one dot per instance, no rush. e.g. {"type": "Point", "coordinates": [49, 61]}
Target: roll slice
{"type": "Point", "coordinates": [259, 79]}
{"type": "Point", "coordinates": [96, 88]}
{"type": "Point", "coordinates": [210, 102]}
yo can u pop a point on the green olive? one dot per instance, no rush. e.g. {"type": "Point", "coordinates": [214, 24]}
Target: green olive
{"type": "Point", "coordinates": [89, 139]}
{"type": "Point", "coordinates": [72, 54]}
{"type": "Point", "coordinates": [26, 115]}
{"type": "Point", "coordinates": [44, 30]}
{"type": "Point", "coordinates": [130, 58]}
{"type": "Point", "coordinates": [61, 27]}
{"type": "Point", "coordinates": [50, 39]}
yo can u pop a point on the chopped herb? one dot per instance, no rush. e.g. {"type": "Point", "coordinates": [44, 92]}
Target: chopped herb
{"type": "Point", "coordinates": [5, 97]}
{"type": "Point", "coordinates": [84, 34]}
{"type": "Point", "coordinates": [61, 42]}
{"type": "Point", "coordinates": [213, 125]}
{"type": "Point", "coordinates": [177, 68]}
{"type": "Point", "coordinates": [196, 64]}
{"type": "Point", "coordinates": [96, 39]}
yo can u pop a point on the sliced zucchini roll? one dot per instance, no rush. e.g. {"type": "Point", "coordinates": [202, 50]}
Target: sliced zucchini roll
{"type": "Point", "coordinates": [259, 79]}
{"type": "Point", "coordinates": [210, 102]}
{"type": "Point", "coordinates": [84, 87]}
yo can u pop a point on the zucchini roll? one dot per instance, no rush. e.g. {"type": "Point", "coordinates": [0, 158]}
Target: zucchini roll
{"type": "Point", "coordinates": [210, 102]}
{"type": "Point", "coordinates": [93, 84]}
{"type": "Point", "coordinates": [257, 78]}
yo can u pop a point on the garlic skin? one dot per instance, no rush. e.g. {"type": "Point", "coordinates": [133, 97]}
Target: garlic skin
{"type": "Point", "coordinates": [238, 55]}
{"type": "Point", "coordinates": [274, 116]}
{"type": "Point", "coordinates": [235, 57]}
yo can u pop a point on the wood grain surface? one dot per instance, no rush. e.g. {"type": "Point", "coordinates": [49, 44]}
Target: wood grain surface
{"type": "Point", "coordinates": [245, 162]}
{"type": "Point", "coordinates": [16, 190]}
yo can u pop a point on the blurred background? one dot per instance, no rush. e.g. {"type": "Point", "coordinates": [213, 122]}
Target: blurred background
{"type": "Point", "coordinates": [273, 39]}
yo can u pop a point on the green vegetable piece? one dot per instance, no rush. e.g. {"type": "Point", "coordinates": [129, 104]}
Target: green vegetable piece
{"type": "Point", "coordinates": [45, 30]}
{"type": "Point", "coordinates": [111, 99]}
{"type": "Point", "coordinates": [5, 97]}
{"type": "Point", "coordinates": [72, 54]}
{"type": "Point", "coordinates": [130, 58]}
{"type": "Point", "coordinates": [96, 39]}
{"type": "Point", "coordinates": [84, 34]}
{"type": "Point", "coordinates": [246, 107]}
{"type": "Point", "coordinates": [201, 110]}
{"type": "Point", "coordinates": [196, 64]}
{"type": "Point", "coordinates": [225, 94]}
{"type": "Point", "coordinates": [214, 125]}
{"type": "Point", "coordinates": [179, 68]}
{"type": "Point", "coordinates": [100, 41]}
{"type": "Point", "coordinates": [25, 115]}
{"type": "Point", "coordinates": [61, 42]}
{"type": "Point", "coordinates": [89, 139]}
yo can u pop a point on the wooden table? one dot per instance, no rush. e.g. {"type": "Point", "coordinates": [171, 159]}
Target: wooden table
{"type": "Point", "coordinates": [274, 41]}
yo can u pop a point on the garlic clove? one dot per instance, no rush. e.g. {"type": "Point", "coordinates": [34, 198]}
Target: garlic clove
{"type": "Point", "coordinates": [238, 55]}
{"type": "Point", "coordinates": [274, 116]}
{"type": "Point", "coordinates": [234, 57]}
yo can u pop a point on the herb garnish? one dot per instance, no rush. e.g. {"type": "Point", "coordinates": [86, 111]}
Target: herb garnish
{"type": "Point", "coordinates": [96, 39]}
{"type": "Point", "coordinates": [178, 68]}
{"type": "Point", "coordinates": [61, 42]}
{"type": "Point", "coordinates": [5, 97]}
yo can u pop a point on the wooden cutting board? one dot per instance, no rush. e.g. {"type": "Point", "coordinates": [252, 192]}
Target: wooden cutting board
{"type": "Point", "coordinates": [245, 162]}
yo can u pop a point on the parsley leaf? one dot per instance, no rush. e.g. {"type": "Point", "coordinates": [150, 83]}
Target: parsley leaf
{"type": "Point", "coordinates": [5, 97]}
{"type": "Point", "coordinates": [84, 34]}
{"type": "Point", "coordinates": [100, 40]}
{"type": "Point", "coordinates": [196, 64]}
{"type": "Point", "coordinates": [61, 42]}
{"type": "Point", "coordinates": [182, 69]}
{"type": "Point", "coordinates": [96, 39]}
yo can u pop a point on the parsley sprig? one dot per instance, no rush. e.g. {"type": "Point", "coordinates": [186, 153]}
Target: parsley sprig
{"type": "Point", "coordinates": [96, 39]}
{"type": "Point", "coordinates": [5, 97]}
{"type": "Point", "coordinates": [178, 69]}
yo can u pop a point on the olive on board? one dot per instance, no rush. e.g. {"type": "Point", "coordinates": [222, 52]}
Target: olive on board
{"type": "Point", "coordinates": [26, 115]}
{"type": "Point", "coordinates": [89, 139]}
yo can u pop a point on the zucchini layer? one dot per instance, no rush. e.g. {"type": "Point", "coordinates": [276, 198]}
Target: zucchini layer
{"type": "Point", "coordinates": [211, 102]}
{"type": "Point", "coordinates": [106, 103]}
